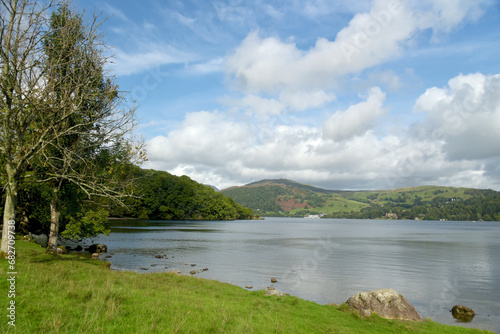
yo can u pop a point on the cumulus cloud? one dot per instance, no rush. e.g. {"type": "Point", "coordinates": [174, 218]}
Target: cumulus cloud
{"type": "Point", "coordinates": [271, 66]}
{"type": "Point", "coordinates": [455, 142]}
{"type": "Point", "coordinates": [206, 138]}
{"type": "Point", "coordinates": [465, 116]}
{"type": "Point", "coordinates": [357, 119]}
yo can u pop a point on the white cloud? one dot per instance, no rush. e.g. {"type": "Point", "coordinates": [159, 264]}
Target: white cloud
{"type": "Point", "coordinates": [127, 63]}
{"type": "Point", "coordinates": [211, 66]}
{"type": "Point", "coordinates": [445, 15]}
{"type": "Point", "coordinates": [456, 143]}
{"type": "Point", "coordinates": [357, 119]}
{"type": "Point", "coordinates": [271, 66]}
{"type": "Point", "coordinates": [203, 138]}
{"type": "Point", "coordinates": [345, 152]}
{"type": "Point", "coordinates": [188, 21]}
{"type": "Point", "coordinates": [115, 12]}
{"type": "Point", "coordinates": [465, 116]}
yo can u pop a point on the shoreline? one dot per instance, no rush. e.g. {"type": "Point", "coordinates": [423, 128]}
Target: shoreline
{"type": "Point", "coordinates": [165, 303]}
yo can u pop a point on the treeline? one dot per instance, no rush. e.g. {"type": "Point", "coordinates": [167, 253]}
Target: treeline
{"type": "Point", "coordinates": [161, 195]}
{"type": "Point", "coordinates": [484, 206]}
{"type": "Point", "coordinates": [155, 195]}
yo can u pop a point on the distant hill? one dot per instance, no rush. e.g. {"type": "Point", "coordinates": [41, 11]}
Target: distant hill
{"type": "Point", "coordinates": [283, 197]}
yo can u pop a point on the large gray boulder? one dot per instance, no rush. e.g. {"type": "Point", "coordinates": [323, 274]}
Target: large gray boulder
{"type": "Point", "coordinates": [387, 303]}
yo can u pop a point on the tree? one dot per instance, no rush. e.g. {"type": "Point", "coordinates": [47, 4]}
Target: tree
{"type": "Point", "coordinates": [92, 147]}
{"type": "Point", "coordinates": [61, 114]}
{"type": "Point", "coordinates": [23, 128]}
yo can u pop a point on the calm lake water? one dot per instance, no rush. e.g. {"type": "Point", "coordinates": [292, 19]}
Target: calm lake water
{"type": "Point", "coordinates": [435, 265]}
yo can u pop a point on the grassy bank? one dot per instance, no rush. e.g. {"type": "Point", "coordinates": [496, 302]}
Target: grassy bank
{"type": "Point", "coordinates": [68, 294]}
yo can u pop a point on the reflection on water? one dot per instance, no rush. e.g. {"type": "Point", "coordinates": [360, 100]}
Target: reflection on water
{"type": "Point", "coordinates": [435, 265]}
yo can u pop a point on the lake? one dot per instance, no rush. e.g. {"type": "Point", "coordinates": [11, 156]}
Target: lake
{"type": "Point", "coordinates": [435, 265]}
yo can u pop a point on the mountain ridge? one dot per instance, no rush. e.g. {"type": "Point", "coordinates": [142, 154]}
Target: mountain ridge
{"type": "Point", "coordinates": [283, 197]}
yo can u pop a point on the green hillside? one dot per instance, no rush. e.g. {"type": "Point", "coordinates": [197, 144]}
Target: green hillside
{"type": "Point", "coordinates": [288, 198]}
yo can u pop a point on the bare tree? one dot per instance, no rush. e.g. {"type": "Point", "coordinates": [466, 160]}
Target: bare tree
{"type": "Point", "coordinates": [23, 129]}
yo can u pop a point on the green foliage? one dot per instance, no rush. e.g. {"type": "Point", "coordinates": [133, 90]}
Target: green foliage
{"type": "Point", "coordinates": [89, 225]}
{"type": "Point", "coordinates": [170, 197]}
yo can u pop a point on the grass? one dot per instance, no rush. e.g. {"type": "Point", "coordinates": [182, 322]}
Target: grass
{"type": "Point", "coordinates": [71, 294]}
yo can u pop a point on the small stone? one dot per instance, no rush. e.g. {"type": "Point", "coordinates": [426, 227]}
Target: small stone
{"type": "Point", "coordinates": [172, 272]}
{"type": "Point", "coordinates": [153, 265]}
{"type": "Point", "coordinates": [178, 271]}
{"type": "Point", "coordinates": [205, 269]}
{"type": "Point", "coordinates": [200, 271]}
{"type": "Point", "coordinates": [108, 256]}
{"type": "Point", "coordinates": [192, 272]}
{"type": "Point", "coordinates": [159, 256]}
{"type": "Point", "coordinates": [193, 265]}
{"type": "Point", "coordinates": [271, 288]}
{"type": "Point", "coordinates": [95, 256]}
{"type": "Point", "coordinates": [248, 286]}
{"type": "Point", "coordinates": [144, 268]}
{"type": "Point", "coordinates": [79, 248]}
{"type": "Point", "coordinates": [273, 280]}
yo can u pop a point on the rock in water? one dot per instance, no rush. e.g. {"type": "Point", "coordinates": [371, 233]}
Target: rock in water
{"type": "Point", "coordinates": [387, 303]}
{"type": "Point", "coordinates": [462, 313]}
{"type": "Point", "coordinates": [98, 248]}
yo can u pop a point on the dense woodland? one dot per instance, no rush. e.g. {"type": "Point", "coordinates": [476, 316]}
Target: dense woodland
{"type": "Point", "coordinates": [161, 195]}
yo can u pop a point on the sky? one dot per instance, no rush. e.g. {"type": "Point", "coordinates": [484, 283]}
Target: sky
{"type": "Point", "coordinates": [347, 95]}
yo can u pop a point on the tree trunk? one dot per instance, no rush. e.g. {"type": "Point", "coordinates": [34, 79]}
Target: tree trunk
{"type": "Point", "coordinates": [54, 223]}
{"type": "Point", "coordinates": [9, 213]}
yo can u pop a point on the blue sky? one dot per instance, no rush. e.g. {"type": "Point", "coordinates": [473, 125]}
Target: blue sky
{"type": "Point", "coordinates": [339, 94]}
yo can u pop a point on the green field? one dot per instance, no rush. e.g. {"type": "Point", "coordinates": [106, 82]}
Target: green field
{"type": "Point", "coordinates": [71, 294]}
